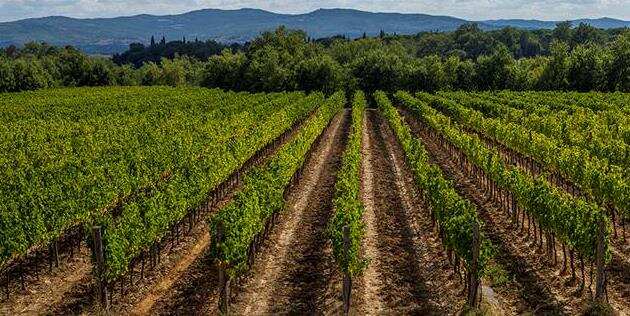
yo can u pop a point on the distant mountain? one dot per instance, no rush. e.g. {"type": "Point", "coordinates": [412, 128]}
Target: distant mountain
{"type": "Point", "coordinates": [109, 35]}
{"type": "Point", "coordinates": [603, 23]}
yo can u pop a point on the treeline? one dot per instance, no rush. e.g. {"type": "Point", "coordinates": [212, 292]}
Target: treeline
{"type": "Point", "coordinates": [139, 54]}
{"type": "Point", "coordinates": [582, 58]}
{"type": "Point", "coordinates": [565, 58]}
{"type": "Point", "coordinates": [470, 42]}
{"type": "Point", "coordinates": [37, 66]}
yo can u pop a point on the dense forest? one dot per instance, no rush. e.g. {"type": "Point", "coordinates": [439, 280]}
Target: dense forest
{"type": "Point", "coordinates": [138, 54]}
{"type": "Point", "coordinates": [581, 58]}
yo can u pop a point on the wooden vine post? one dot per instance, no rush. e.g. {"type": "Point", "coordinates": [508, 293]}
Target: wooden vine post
{"type": "Point", "coordinates": [224, 280]}
{"type": "Point", "coordinates": [53, 252]}
{"type": "Point", "coordinates": [473, 274]}
{"type": "Point", "coordinates": [513, 209]}
{"type": "Point", "coordinates": [347, 281]}
{"type": "Point", "coordinates": [600, 285]}
{"type": "Point", "coordinates": [99, 259]}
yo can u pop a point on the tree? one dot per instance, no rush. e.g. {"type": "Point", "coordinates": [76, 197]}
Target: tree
{"type": "Point", "coordinates": [563, 32]}
{"type": "Point", "coordinates": [150, 74]}
{"type": "Point", "coordinates": [587, 68]}
{"type": "Point", "coordinates": [346, 53]}
{"type": "Point", "coordinates": [7, 79]}
{"type": "Point", "coordinates": [283, 59]}
{"type": "Point", "coordinates": [527, 73]}
{"type": "Point", "coordinates": [225, 71]}
{"type": "Point", "coordinates": [51, 66]}
{"type": "Point", "coordinates": [450, 71]}
{"type": "Point", "coordinates": [173, 73]}
{"type": "Point", "coordinates": [100, 74]}
{"type": "Point", "coordinates": [74, 68]}
{"type": "Point", "coordinates": [619, 68]}
{"type": "Point", "coordinates": [466, 76]}
{"type": "Point", "coordinates": [126, 76]}
{"type": "Point", "coordinates": [268, 70]}
{"type": "Point", "coordinates": [138, 54]}
{"type": "Point", "coordinates": [290, 43]}
{"type": "Point", "coordinates": [495, 72]}
{"type": "Point", "coordinates": [471, 39]}
{"type": "Point", "coordinates": [319, 73]}
{"type": "Point", "coordinates": [30, 75]}
{"type": "Point", "coordinates": [511, 38]}
{"type": "Point", "coordinates": [435, 44]}
{"type": "Point", "coordinates": [528, 46]}
{"type": "Point", "coordinates": [586, 33]}
{"type": "Point", "coordinates": [273, 58]}
{"type": "Point", "coordinates": [426, 74]}
{"type": "Point", "coordinates": [378, 70]}
{"type": "Point", "coordinates": [11, 51]}
{"type": "Point", "coordinates": [554, 76]}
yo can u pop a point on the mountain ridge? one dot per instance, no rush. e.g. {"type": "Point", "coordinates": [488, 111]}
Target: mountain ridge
{"type": "Point", "coordinates": [110, 35]}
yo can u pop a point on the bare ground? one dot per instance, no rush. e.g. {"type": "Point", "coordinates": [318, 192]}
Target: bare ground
{"type": "Point", "coordinates": [408, 272]}
{"type": "Point", "coordinates": [295, 272]}
{"type": "Point", "coordinates": [191, 286]}
{"type": "Point", "coordinates": [540, 287]}
{"type": "Point", "coordinates": [618, 270]}
{"type": "Point", "coordinates": [68, 289]}
{"type": "Point", "coordinates": [44, 291]}
{"type": "Point", "coordinates": [188, 287]}
{"type": "Point", "coordinates": [165, 285]}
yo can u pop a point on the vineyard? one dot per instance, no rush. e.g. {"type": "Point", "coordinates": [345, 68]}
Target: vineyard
{"type": "Point", "coordinates": [157, 200]}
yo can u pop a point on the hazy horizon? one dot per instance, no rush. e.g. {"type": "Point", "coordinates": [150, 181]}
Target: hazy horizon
{"type": "Point", "coordinates": [549, 10]}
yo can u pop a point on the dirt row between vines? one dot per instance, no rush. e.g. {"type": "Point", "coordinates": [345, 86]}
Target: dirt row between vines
{"type": "Point", "coordinates": [192, 288]}
{"type": "Point", "coordinates": [408, 272]}
{"type": "Point", "coordinates": [48, 287]}
{"type": "Point", "coordinates": [620, 243]}
{"type": "Point", "coordinates": [68, 289]}
{"type": "Point", "coordinates": [294, 272]}
{"type": "Point", "coordinates": [196, 289]}
{"type": "Point", "coordinates": [540, 287]}
{"type": "Point", "coordinates": [618, 270]}
{"type": "Point", "coordinates": [196, 292]}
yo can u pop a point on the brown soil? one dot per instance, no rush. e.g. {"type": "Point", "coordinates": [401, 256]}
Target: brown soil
{"type": "Point", "coordinates": [170, 285]}
{"type": "Point", "coordinates": [156, 281]}
{"type": "Point", "coordinates": [408, 272]}
{"type": "Point", "coordinates": [189, 287]}
{"type": "Point", "coordinates": [369, 283]}
{"type": "Point", "coordinates": [68, 289]}
{"type": "Point", "coordinates": [618, 271]}
{"type": "Point", "coordinates": [186, 286]}
{"type": "Point", "coordinates": [619, 241]}
{"type": "Point", "coordinates": [535, 287]}
{"type": "Point", "coordinates": [50, 287]}
{"type": "Point", "coordinates": [160, 289]}
{"type": "Point", "coordinates": [295, 272]}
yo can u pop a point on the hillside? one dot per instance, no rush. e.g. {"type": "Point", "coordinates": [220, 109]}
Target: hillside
{"type": "Point", "coordinates": [603, 23]}
{"type": "Point", "coordinates": [109, 35]}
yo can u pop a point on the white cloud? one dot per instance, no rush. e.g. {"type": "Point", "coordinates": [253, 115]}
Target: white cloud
{"type": "Point", "coordinates": [470, 9]}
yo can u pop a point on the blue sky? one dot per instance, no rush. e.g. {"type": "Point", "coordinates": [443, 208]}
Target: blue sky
{"type": "Point", "coordinates": [469, 9]}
